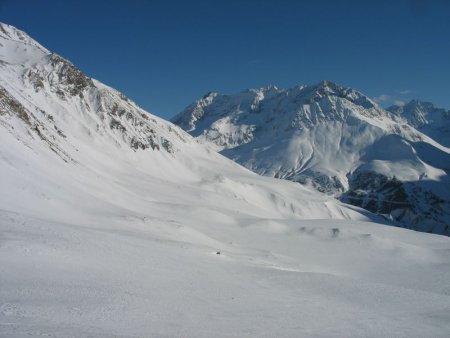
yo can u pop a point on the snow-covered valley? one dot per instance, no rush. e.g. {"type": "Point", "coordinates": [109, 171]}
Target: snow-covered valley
{"type": "Point", "coordinates": [116, 223]}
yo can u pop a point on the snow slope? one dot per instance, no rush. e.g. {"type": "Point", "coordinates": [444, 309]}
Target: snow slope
{"type": "Point", "coordinates": [424, 116]}
{"type": "Point", "coordinates": [111, 220]}
{"type": "Point", "coordinates": [336, 140]}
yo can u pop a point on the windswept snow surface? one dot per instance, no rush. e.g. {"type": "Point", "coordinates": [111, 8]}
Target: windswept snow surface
{"type": "Point", "coordinates": [111, 221]}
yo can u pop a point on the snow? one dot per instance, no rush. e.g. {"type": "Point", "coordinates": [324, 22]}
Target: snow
{"type": "Point", "coordinates": [100, 239]}
{"type": "Point", "coordinates": [327, 127]}
{"type": "Point", "coordinates": [432, 121]}
{"type": "Point", "coordinates": [320, 135]}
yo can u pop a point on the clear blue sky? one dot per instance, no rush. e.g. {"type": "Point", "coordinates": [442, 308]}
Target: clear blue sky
{"type": "Point", "coordinates": [165, 54]}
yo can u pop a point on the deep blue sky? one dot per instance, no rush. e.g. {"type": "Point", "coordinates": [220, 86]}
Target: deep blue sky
{"type": "Point", "coordinates": [165, 54]}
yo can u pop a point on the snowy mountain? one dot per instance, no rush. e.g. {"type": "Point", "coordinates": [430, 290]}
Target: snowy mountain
{"type": "Point", "coordinates": [50, 108]}
{"type": "Point", "coordinates": [424, 116]}
{"type": "Point", "coordinates": [336, 140]}
{"type": "Point", "coordinates": [115, 223]}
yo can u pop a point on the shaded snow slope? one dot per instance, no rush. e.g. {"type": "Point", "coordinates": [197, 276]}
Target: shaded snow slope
{"type": "Point", "coordinates": [332, 138]}
{"type": "Point", "coordinates": [430, 120]}
{"type": "Point", "coordinates": [111, 220]}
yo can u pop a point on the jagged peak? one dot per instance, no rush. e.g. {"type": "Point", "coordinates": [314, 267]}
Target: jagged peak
{"type": "Point", "coordinates": [298, 95]}
{"type": "Point", "coordinates": [262, 90]}
{"type": "Point", "coordinates": [12, 33]}
{"type": "Point", "coordinates": [328, 84]}
{"type": "Point", "coordinates": [331, 88]}
{"type": "Point", "coordinates": [271, 87]}
{"type": "Point", "coordinates": [322, 88]}
{"type": "Point", "coordinates": [43, 80]}
{"type": "Point", "coordinates": [415, 105]}
{"type": "Point", "coordinates": [209, 95]}
{"type": "Point", "coordinates": [422, 113]}
{"type": "Point", "coordinates": [420, 104]}
{"type": "Point", "coordinates": [326, 88]}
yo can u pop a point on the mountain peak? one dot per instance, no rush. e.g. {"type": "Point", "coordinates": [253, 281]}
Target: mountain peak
{"type": "Point", "coordinates": [12, 33]}
{"type": "Point", "coordinates": [34, 81]}
{"type": "Point", "coordinates": [269, 89]}
{"type": "Point", "coordinates": [327, 136]}
{"type": "Point", "coordinates": [326, 88]}
{"type": "Point", "coordinates": [415, 107]}
{"type": "Point", "coordinates": [297, 107]}
{"type": "Point", "coordinates": [328, 84]}
{"type": "Point", "coordinates": [209, 95]}
{"type": "Point", "coordinates": [420, 104]}
{"type": "Point", "coordinates": [425, 116]}
{"type": "Point", "coordinates": [19, 48]}
{"type": "Point", "coordinates": [100, 198]}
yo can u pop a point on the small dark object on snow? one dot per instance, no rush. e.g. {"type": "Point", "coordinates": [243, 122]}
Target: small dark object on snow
{"type": "Point", "coordinates": [218, 253]}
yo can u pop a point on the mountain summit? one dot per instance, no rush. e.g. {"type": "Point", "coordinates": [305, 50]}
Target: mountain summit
{"type": "Point", "coordinates": [424, 116]}
{"type": "Point", "coordinates": [337, 140]}
{"type": "Point", "coordinates": [115, 223]}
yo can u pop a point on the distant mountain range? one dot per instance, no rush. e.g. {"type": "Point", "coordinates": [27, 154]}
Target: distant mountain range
{"type": "Point", "coordinates": [116, 223]}
{"type": "Point", "coordinates": [392, 162]}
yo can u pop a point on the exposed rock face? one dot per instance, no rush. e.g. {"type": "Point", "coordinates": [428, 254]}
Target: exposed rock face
{"type": "Point", "coordinates": [338, 141]}
{"type": "Point", "coordinates": [414, 205]}
{"type": "Point", "coordinates": [34, 78]}
{"type": "Point", "coordinates": [66, 75]}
